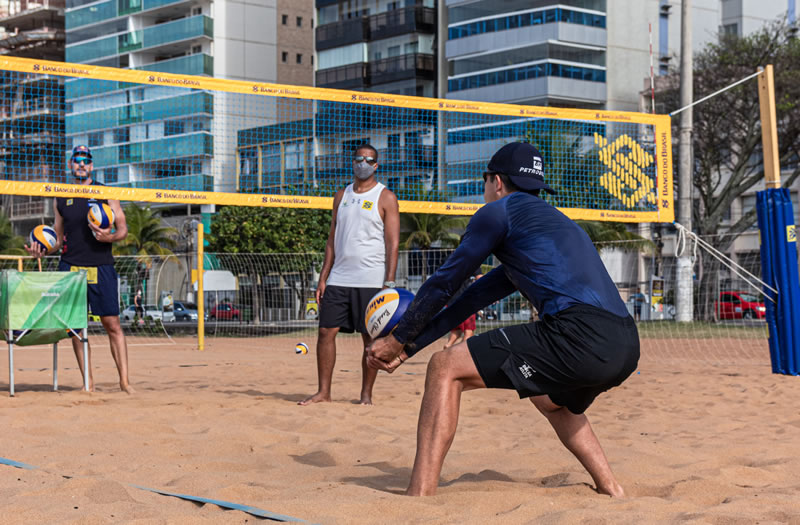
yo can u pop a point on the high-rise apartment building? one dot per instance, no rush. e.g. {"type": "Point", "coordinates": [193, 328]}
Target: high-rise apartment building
{"type": "Point", "coordinates": [581, 53]}
{"type": "Point", "coordinates": [534, 52]}
{"type": "Point", "coordinates": [378, 45]}
{"type": "Point", "coordinates": [172, 137]}
{"type": "Point", "coordinates": [31, 107]}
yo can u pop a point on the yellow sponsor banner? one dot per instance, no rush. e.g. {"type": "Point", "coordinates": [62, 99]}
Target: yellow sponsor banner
{"type": "Point", "coordinates": [282, 201]}
{"type": "Point", "coordinates": [664, 175]}
{"type": "Point", "coordinates": [171, 196]}
{"type": "Point", "coordinates": [27, 65]}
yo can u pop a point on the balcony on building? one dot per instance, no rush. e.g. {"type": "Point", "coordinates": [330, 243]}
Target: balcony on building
{"type": "Point", "coordinates": [110, 9]}
{"type": "Point", "coordinates": [362, 75]}
{"type": "Point", "coordinates": [414, 19]}
{"type": "Point", "coordinates": [35, 31]}
{"type": "Point", "coordinates": [160, 37]}
{"type": "Point", "coordinates": [351, 76]}
{"type": "Point", "coordinates": [403, 67]}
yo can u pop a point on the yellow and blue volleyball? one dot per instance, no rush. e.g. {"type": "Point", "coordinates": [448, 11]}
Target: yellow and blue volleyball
{"type": "Point", "coordinates": [385, 310]}
{"type": "Point", "coordinates": [101, 215]}
{"type": "Point", "coordinates": [44, 236]}
{"type": "Point", "coordinates": [301, 348]}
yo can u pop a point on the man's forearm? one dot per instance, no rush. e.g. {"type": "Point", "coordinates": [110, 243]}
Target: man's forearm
{"type": "Point", "coordinates": [391, 262]}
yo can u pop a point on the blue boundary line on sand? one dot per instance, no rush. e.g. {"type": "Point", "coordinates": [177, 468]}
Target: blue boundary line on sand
{"type": "Point", "coordinates": [255, 511]}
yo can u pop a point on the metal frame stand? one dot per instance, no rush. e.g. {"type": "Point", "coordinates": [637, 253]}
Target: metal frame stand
{"type": "Point", "coordinates": [83, 338]}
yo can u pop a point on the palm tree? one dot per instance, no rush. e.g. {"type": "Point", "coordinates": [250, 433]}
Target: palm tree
{"type": "Point", "coordinates": [423, 230]}
{"type": "Point", "coordinates": [10, 244]}
{"type": "Point", "coordinates": [615, 235]}
{"type": "Point", "coordinates": [146, 237]}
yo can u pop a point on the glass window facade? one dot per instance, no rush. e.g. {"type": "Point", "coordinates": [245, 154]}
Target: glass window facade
{"type": "Point", "coordinates": [515, 21]}
{"type": "Point", "coordinates": [527, 72]}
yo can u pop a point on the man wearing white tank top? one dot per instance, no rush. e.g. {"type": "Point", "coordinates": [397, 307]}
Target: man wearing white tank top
{"type": "Point", "coordinates": [360, 260]}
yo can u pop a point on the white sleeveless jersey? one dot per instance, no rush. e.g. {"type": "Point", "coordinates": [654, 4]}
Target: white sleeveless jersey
{"type": "Point", "coordinates": [358, 244]}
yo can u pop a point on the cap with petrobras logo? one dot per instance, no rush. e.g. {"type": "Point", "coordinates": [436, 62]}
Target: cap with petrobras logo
{"type": "Point", "coordinates": [523, 164]}
{"type": "Point", "coordinates": [81, 151]}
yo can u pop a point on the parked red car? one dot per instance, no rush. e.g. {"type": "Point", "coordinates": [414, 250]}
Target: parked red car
{"type": "Point", "coordinates": [740, 305]}
{"type": "Point", "coordinates": [224, 311]}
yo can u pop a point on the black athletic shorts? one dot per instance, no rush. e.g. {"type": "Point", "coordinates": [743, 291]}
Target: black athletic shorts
{"type": "Point", "coordinates": [344, 307]}
{"type": "Point", "coordinates": [572, 356]}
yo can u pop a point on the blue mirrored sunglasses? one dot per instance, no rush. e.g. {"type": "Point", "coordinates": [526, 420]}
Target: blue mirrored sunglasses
{"type": "Point", "coordinates": [82, 160]}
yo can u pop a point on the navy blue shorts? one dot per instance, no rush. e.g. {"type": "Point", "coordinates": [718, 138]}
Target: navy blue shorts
{"type": "Point", "coordinates": [344, 307]}
{"type": "Point", "coordinates": [572, 356]}
{"type": "Point", "coordinates": [102, 286]}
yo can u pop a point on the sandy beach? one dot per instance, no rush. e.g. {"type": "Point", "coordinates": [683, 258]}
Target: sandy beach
{"type": "Point", "coordinates": [690, 442]}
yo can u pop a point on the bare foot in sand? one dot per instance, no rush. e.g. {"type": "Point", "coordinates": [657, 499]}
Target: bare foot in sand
{"type": "Point", "coordinates": [316, 398]}
{"type": "Point", "coordinates": [615, 490]}
{"type": "Point", "coordinates": [365, 400]}
{"type": "Point", "coordinates": [127, 388]}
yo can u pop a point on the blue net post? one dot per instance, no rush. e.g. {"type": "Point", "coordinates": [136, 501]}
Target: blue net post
{"type": "Point", "coordinates": [779, 271]}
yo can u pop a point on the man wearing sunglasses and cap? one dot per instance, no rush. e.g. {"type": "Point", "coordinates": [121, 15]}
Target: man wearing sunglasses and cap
{"type": "Point", "coordinates": [584, 344]}
{"type": "Point", "coordinates": [85, 246]}
{"type": "Point", "coordinates": [360, 259]}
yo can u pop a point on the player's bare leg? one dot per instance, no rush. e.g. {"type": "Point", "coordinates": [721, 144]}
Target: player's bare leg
{"type": "Point", "coordinates": [577, 435]}
{"type": "Point", "coordinates": [326, 360]}
{"type": "Point", "coordinates": [119, 350]}
{"type": "Point", "coordinates": [452, 338]}
{"type": "Point", "coordinates": [450, 372]}
{"type": "Point", "coordinates": [368, 375]}
{"type": "Point", "coordinates": [77, 347]}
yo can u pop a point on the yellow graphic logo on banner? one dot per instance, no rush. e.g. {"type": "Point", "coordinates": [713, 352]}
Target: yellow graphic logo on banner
{"type": "Point", "coordinates": [791, 233]}
{"type": "Point", "coordinates": [626, 180]}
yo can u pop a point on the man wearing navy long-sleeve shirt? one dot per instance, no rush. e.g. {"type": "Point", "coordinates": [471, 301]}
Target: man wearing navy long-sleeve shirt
{"type": "Point", "coordinates": [584, 344]}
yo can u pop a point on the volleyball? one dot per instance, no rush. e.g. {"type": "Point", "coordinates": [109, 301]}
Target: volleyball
{"type": "Point", "coordinates": [301, 348]}
{"type": "Point", "coordinates": [101, 215]}
{"type": "Point", "coordinates": [44, 236]}
{"type": "Point", "coordinates": [385, 310]}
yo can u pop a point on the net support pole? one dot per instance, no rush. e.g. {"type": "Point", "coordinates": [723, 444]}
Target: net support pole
{"type": "Point", "coordinates": [201, 325]}
{"type": "Point", "coordinates": [441, 92]}
{"type": "Point", "coordinates": [769, 128]}
{"type": "Point", "coordinates": [684, 296]}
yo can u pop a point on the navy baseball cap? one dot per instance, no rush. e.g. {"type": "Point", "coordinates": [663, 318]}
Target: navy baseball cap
{"type": "Point", "coordinates": [81, 151]}
{"type": "Point", "coordinates": [523, 164]}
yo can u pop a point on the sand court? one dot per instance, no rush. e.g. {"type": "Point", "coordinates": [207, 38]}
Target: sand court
{"type": "Point", "coordinates": [688, 441]}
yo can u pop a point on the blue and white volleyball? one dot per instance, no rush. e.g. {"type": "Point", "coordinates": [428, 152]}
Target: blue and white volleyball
{"type": "Point", "coordinates": [44, 236]}
{"type": "Point", "coordinates": [101, 215]}
{"type": "Point", "coordinates": [301, 348]}
{"type": "Point", "coordinates": [385, 310]}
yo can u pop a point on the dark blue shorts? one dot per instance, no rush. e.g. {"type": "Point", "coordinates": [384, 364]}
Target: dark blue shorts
{"type": "Point", "coordinates": [102, 286]}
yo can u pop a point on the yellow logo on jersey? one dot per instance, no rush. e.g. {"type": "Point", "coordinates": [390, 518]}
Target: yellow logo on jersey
{"type": "Point", "coordinates": [791, 233]}
{"type": "Point", "coordinates": [69, 202]}
{"type": "Point", "coordinates": [367, 205]}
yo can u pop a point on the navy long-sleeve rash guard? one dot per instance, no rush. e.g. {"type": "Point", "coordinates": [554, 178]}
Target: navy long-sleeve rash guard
{"type": "Point", "coordinates": [544, 255]}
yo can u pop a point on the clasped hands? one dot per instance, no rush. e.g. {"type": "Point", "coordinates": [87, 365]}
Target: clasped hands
{"type": "Point", "coordinates": [386, 354]}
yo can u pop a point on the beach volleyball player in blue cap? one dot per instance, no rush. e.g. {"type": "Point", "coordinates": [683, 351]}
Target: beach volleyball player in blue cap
{"type": "Point", "coordinates": [584, 343]}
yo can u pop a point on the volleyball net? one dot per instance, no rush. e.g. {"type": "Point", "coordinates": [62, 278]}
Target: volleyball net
{"type": "Point", "coordinates": [267, 302]}
{"type": "Point", "coordinates": [168, 138]}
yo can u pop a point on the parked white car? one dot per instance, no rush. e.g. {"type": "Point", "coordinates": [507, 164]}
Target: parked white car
{"type": "Point", "coordinates": [151, 311]}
